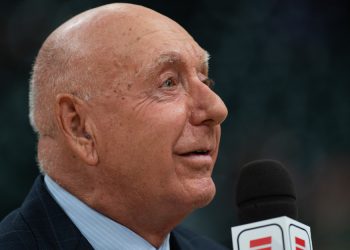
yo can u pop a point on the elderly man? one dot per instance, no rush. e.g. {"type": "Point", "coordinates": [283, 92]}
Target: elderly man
{"type": "Point", "coordinates": [128, 130]}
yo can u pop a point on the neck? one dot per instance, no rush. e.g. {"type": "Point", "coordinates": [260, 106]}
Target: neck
{"type": "Point", "coordinates": [150, 222]}
{"type": "Point", "coordinates": [153, 223]}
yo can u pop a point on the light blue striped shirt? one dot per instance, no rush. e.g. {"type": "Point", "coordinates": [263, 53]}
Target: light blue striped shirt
{"type": "Point", "coordinates": [101, 232]}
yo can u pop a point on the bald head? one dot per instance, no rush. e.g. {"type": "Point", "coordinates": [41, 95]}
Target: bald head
{"type": "Point", "coordinates": [93, 50]}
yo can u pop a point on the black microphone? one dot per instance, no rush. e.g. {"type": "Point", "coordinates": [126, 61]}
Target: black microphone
{"type": "Point", "coordinates": [267, 210]}
{"type": "Point", "coordinates": [265, 190]}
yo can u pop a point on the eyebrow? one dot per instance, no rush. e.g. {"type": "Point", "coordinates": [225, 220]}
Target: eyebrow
{"type": "Point", "coordinates": [175, 57]}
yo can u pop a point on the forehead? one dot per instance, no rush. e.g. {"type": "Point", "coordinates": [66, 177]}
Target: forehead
{"type": "Point", "coordinates": [171, 48]}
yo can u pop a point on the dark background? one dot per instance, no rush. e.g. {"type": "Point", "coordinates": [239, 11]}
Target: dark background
{"type": "Point", "coordinates": [280, 66]}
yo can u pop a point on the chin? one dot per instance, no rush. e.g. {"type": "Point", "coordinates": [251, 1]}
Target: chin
{"type": "Point", "coordinates": [202, 193]}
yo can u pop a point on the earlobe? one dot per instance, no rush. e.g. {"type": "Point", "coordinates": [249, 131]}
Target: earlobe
{"type": "Point", "coordinates": [73, 122]}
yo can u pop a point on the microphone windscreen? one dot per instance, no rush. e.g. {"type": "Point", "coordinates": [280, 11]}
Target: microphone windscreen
{"type": "Point", "coordinates": [265, 190]}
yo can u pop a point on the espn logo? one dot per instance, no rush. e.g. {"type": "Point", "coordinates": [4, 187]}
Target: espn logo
{"type": "Point", "coordinates": [280, 233]}
{"type": "Point", "coordinates": [266, 243]}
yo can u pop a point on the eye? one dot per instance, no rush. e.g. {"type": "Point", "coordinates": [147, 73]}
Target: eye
{"type": "Point", "coordinates": [209, 82]}
{"type": "Point", "coordinates": [168, 83]}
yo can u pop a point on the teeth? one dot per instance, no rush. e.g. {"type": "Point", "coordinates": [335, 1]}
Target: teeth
{"type": "Point", "coordinates": [201, 151]}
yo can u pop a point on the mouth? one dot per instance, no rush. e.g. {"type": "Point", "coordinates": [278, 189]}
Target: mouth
{"type": "Point", "coordinates": [196, 152]}
{"type": "Point", "coordinates": [198, 159]}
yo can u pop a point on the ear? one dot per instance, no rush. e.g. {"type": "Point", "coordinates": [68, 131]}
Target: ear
{"type": "Point", "coordinates": [77, 128]}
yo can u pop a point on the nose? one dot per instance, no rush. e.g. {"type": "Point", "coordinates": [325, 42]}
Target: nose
{"type": "Point", "coordinates": [208, 108]}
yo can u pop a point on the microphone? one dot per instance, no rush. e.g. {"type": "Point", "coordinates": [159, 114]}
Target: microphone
{"type": "Point", "coordinates": [267, 211]}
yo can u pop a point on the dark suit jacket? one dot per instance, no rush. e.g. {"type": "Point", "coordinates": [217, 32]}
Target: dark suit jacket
{"type": "Point", "coordinates": [40, 223]}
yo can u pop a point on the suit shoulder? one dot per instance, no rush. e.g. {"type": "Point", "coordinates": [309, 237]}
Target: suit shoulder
{"type": "Point", "coordinates": [14, 233]}
{"type": "Point", "coordinates": [195, 240]}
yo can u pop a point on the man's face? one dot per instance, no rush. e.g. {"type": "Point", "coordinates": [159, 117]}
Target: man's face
{"type": "Point", "coordinates": [158, 122]}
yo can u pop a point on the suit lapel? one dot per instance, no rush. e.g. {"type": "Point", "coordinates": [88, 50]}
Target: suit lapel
{"type": "Point", "coordinates": [49, 224]}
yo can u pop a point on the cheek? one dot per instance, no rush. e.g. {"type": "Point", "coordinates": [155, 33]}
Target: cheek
{"type": "Point", "coordinates": [141, 143]}
{"type": "Point", "coordinates": [160, 126]}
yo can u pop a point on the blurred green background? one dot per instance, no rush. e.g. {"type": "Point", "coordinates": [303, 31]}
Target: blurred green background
{"type": "Point", "coordinates": [282, 68]}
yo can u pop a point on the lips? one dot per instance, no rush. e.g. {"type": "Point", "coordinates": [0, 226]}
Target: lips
{"type": "Point", "coordinates": [197, 158]}
{"type": "Point", "coordinates": [196, 152]}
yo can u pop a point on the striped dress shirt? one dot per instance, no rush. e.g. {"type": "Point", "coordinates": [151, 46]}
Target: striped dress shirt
{"type": "Point", "coordinates": [101, 232]}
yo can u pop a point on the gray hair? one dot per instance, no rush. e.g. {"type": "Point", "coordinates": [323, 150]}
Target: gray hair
{"type": "Point", "coordinates": [54, 72]}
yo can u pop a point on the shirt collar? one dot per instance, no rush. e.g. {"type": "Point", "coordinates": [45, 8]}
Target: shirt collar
{"type": "Point", "coordinates": [99, 230]}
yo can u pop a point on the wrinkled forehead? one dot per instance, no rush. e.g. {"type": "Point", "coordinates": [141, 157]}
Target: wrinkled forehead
{"type": "Point", "coordinates": [145, 44]}
{"type": "Point", "coordinates": [168, 46]}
